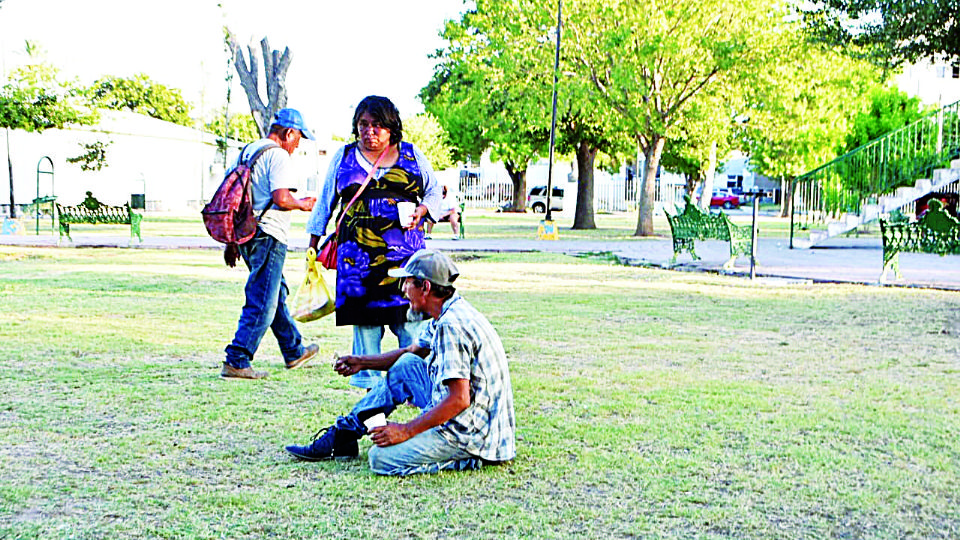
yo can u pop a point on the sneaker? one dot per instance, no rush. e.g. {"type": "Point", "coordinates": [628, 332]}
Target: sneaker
{"type": "Point", "coordinates": [309, 353]}
{"type": "Point", "coordinates": [328, 443]}
{"type": "Point", "coordinates": [427, 237]}
{"type": "Point", "coordinates": [230, 372]}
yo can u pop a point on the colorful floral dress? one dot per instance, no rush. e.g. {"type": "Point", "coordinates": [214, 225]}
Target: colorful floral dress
{"type": "Point", "coordinates": [372, 241]}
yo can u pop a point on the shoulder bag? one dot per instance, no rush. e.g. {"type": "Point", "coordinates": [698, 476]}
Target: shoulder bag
{"type": "Point", "coordinates": [328, 249]}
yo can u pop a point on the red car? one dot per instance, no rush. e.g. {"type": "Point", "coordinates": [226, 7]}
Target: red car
{"type": "Point", "coordinates": [725, 199]}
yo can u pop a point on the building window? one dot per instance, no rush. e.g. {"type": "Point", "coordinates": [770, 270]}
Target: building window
{"type": "Point", "coordinates": [956, 71]}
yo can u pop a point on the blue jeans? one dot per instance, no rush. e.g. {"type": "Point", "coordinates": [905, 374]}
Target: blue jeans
{"type": "Point", "coordinates": [366, 340]}
{"type": "Point", "coordinates": [266, 304]}
{"type": "Point", "coordinates": [428, 452]}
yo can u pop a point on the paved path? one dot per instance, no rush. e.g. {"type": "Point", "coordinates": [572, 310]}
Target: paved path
{"type": "Point", "coordinates": [840, 260]}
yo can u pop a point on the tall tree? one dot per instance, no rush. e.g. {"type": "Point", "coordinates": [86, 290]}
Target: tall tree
{"type": "Point", "coordinates": [479, 87]}
{"type": "Point", "coordinates": [275, 67]}
{"type": "Point", "coordinates": [34, 99]}
{"type": "Point", "coordinates": [889, 109]}
{"type": "Point", "coordinates": [649, 62]}
{"type": "Point", "coordinates": [426, 132]}
{"type": "Point", "coordinates": [889, 32]}
{"type": "Point", "coordinates": [800, 113]}
{"type": "Point", "coordinates": [141, 95]}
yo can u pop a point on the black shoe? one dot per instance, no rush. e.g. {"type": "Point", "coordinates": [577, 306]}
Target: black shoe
{"type": "Point", "coordinates": [328, 443]}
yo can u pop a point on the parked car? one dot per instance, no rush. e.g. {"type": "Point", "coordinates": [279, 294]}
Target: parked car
{"type": "Point", "coordinates": [537, 199]}
{"type": "Point", "coordinates": [725, 199]}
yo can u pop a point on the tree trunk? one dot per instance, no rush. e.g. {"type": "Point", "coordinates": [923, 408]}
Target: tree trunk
{"type": "Point", "coordinates": [13, 207]}
{"type": "Point", "coordinates": [786, 186]}
{"type": "Point", "coordinates": [275, 68]}
{"type": "Point", "coordinates": [583, 218]}
{"type": "Point", "coordinates": [708, 177]}
{"type": "Point", "coordinates": [648, 191]}
{"type": "Point", "coordinates": [519, 178]}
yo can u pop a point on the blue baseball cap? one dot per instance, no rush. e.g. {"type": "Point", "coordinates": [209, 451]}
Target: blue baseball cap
{"type": "Point", "coordinates": [291, 118]}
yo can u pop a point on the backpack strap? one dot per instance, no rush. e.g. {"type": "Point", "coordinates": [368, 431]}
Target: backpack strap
{"type": "Point", "coordinates": [251, 162]}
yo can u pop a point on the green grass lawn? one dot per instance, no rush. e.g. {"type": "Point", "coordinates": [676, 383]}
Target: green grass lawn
{"type": "Point", "coordinates": [650, 404]}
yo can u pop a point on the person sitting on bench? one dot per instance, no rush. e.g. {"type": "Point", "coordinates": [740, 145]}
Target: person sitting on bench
{"type": "Point", "coordinates": [449, 211]}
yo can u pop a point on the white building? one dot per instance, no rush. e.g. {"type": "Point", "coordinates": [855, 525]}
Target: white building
{"type": "Point", "coordinates": [175, 168]}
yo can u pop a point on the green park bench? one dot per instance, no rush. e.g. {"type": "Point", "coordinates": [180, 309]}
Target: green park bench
{"type": "Point", "coordinates": [936, 231]}
{"type": "Point", "coordinates": [93, 212]}
{"type": "Point", "coordinates": [695, 224]}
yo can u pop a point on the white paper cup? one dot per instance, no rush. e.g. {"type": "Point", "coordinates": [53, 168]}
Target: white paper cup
{"type": "Point", "coordinates": [405, 210]}
{"type": "Point", "coordinates": [375, 421]}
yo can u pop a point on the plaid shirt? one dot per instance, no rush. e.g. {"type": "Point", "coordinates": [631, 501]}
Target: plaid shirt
{"type": "Point", "coordinates": [463, 345]}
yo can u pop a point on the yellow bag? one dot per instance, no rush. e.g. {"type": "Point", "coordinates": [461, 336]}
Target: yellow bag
{"type": "Point", "coordinates": [313, 299]}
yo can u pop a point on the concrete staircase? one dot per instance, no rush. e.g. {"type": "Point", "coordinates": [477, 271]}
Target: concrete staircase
{"type": "Point", "coordinates": [885, 205]}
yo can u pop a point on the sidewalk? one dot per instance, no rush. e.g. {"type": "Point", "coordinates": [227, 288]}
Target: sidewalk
{"type": "Point", "coordinates": [840, 260]}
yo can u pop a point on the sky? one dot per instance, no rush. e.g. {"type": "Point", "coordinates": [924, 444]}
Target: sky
{"type": "Point", "coordinates": [342, 51]}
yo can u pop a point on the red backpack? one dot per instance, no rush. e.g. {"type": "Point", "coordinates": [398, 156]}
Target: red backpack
{"type": "Point", "coordinates": [229, 216]}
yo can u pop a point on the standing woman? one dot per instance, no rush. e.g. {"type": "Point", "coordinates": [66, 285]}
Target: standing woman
{"type": "Point", "coordinates": [372, 238]}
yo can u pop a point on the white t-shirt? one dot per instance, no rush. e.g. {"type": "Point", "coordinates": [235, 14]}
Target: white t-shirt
{"type": "Point", "coordinates": [272, 171]}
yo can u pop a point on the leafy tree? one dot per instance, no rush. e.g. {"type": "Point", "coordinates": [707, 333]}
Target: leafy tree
{"type": "Point", "coordinates": [141, 95]}
{"type": "Point", "coordinates": [94, 156]}
{"type": "Point", "coordinates": [889, 32]}
{"type": "Point", "coordinates": [482, 97]}
{"type": "Point", "coordinates": [800, 113]}
{"type": "Point", "coordinates": [241, 128]}
{"type": "Point", "coordinates": [705, 133]}
{"type": "Point", "coordinates": [498, 75]}
{"type": "Point", "coordinates": [33, 99]}
{"type": "Point", "coordinates": [651, 62]}
{"type": "Point", "coordinates": [426, 132]}
{"type": "Point", "coordinates": [889, 109]}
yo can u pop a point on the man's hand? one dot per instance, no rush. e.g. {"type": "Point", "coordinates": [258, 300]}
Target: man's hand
{"type": "Point", "coordinates": [389, 434]}
{"type": "Point", "coordinates": [347, 365]}
{"type": "Point", "coordinates": [306, 203]}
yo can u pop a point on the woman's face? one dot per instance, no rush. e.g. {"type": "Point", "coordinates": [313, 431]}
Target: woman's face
{"type": "Point", "coordinates": [373, 136]}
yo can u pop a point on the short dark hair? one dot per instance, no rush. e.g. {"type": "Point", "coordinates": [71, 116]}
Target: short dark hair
{"type": "Point", "coordinates": [440, 291]}
{"type": "Point", "coordinates": [382, 110]}
{"type": "Point", "coordinates": [282, 131]}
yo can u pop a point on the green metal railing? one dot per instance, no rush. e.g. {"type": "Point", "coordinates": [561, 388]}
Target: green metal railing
{"type": "Point", "coordinates": [898, 159]}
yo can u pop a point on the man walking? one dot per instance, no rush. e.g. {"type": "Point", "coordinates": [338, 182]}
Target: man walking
{"type": "Point", "coordinates": [455, 372]}
{"type": "Point", "coordinates": [272, 183]}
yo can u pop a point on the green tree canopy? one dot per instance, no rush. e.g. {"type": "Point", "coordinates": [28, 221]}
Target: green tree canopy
{"type": "Point", "coordinates": [889, 109]}
{"type": "Point", "coordinates": [428, 135]}
{"type": "Point", "coordinates": [652, 62]}
{"type": "Point", "coordinates": [486, 96]}
{"type": "Point", "coordinates": [141, 95]}
{"type": "Point", "coordinates": [889, 32]}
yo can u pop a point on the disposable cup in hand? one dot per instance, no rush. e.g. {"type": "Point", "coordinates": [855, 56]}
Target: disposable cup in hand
{"type": "Point", "coordinates": [375, 421]}
{"type": "Point", "coordinates": [405, 210]}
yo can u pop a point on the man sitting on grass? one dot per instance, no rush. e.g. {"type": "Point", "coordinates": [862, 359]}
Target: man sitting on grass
{"type": "Point", "coordinates": [456, 373]}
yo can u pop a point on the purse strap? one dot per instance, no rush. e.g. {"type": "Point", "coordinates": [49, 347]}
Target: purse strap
{"type": "Point", "coordinates": [376, 165]}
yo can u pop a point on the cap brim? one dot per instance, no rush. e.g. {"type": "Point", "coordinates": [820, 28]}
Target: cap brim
{"type": "Point", "coordinates": [307, 134]}
{"type": "Point", "coordinates": [398, 273]}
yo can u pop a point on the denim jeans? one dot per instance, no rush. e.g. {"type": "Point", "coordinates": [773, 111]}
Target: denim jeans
{"type": "Point", "coordinates": [428, 452]}
{"type": "Point", "coordinates": [366, 340]}
{"type": "Point", "coordinates": [266, 304]}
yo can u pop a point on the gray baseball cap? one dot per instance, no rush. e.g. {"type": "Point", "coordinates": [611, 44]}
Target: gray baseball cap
{"type": "Point", "coordinates": [430, 265]}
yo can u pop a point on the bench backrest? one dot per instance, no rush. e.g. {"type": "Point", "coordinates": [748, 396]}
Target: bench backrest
{"type": "Point", "coordinates": [935, 232]}
{"type": "Point", "coordinates": [695, 223]}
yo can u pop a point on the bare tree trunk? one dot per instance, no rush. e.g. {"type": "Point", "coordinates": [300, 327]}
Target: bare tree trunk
{"type": "Point", "coordinates": [13, 207]}
{"type": "Point", "coordinates": [708, 178]}
{"type": "Point", "coordinates": [787, 195]}
{"type": "Point", "coordinates": [519, 178]}
{"type": "Point", "coordinates": [583, 218]}
{"type": "Point", "coordinates": [275, 68]}
{"type": "Point", "coordinates": [648, 193]}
